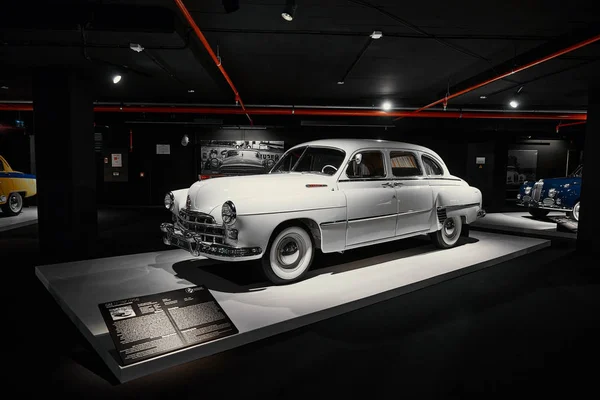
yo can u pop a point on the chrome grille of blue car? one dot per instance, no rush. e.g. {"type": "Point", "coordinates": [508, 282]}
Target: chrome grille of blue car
{"type": "Point", "coordinates": [202, 224]}
{"type": "Point", "coordinates": [537, 191]}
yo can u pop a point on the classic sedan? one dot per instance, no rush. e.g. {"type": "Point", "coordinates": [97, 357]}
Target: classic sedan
{"type": "Point", "coordinates": [553, 194]}
{"type": "Point", "coordinates": [331, 195]}
{"type": "Point", "coordinates": [14, 187]}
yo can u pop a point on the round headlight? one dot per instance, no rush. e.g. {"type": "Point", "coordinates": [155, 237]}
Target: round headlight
{"type": "Point", "coordinates": [551, 192]}
{"type": "Point", "coordinates": [228, 213]}
{"type": "Point", "coordinates": [528, 190]}
{"type": "Point", "coordinates": [169, 201]}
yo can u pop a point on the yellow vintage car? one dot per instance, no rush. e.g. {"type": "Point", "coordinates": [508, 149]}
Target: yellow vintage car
{"type": "Point", "coordinates": [14, 187]}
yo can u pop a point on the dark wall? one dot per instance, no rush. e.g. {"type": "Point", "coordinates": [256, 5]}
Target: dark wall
{"type": "Point", "coordinates": [458, 142]}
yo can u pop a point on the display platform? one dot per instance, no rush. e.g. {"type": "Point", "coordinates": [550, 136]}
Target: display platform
{"type": "Point", "coordinates": [28, 216]}
{"type": "Point", "coordinates": [259, 310]}
{"type": "Point", "coordinates": [522, 222]}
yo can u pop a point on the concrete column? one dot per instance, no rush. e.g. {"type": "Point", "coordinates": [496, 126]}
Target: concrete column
{"type": "Point", "coordinates": [64, 154]}
{"type": "Point", "coordinates": [588, 235]}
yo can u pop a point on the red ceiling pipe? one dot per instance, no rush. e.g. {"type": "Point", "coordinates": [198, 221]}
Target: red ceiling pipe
{"type": "Point", "coordinates": [202, 38]}
{"type": "Point", "coordinates": [514, 71]}
{"type": "Point", "coordinates": [317, 112]}
{"type": "Point", "coordinates": [341, 112]}
{"type": "Point", "coordinates": [561, 125]}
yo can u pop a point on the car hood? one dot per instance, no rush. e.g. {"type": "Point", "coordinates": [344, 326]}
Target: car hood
{"type": "Point", "coordinates": [241, 161]}
{"type": "Point", "coordinates": [558, 182]}
{"type": "Point", "coordinates": [209, 194]}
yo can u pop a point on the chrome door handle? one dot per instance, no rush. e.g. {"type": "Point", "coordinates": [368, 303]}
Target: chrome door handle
{"type": "Point", "coordinates": [387, 184]}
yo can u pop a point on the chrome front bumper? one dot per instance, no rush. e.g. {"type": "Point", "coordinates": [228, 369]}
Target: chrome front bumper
{"type": "Point", "coordinates": [176, 235]}
{"type": "Point", "coordinates": [543, 207]}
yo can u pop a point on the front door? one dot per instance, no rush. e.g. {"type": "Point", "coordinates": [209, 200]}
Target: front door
{"type": "Point", "coordinates": [371, 200]}
{"type": "Point", "coordinates": [413, 193]}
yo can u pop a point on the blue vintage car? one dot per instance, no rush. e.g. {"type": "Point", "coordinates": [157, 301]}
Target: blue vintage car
{"type": "Point", "coordinates": [553, 194]}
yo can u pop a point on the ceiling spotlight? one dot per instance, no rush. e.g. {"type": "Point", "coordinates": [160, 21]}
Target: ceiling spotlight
{"type": "Point", "coordinates": [514, 104]}
{"type": "Point", "coordinates": [116, 78]}
{"type": "Point", "coordinates": [4, 87]}
{"type": "Point", "coordinates": [340, 82]}
{"type": "Point", "coordinates": [483, 97]}
{"type": "Point", "coordinates": [136, 47]}
{"type": "Point", "coordinates": [376, 35]}
{"type": "Point", "coordinates": [185, 140]}
{"type": "Point", "coordinates": [386, 106]}
{"type": "Point", "coordinates": [231, 5]}
{"type": "Point", "coordinates": [289, 10]}
{"type": "Point", "coordinates": [190, 90]}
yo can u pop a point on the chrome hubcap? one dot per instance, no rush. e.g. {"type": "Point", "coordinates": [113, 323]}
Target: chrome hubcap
{"type": "Point", "coordinates": [15, 203]}
{"type": "Point", "coordinates": [289, 251]}
{"type": "Point", "coordinates": [449, 228]}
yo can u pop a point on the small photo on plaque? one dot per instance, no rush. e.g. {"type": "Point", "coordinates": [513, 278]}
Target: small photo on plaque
{"type": "Point", "coordinates": [118, 313]}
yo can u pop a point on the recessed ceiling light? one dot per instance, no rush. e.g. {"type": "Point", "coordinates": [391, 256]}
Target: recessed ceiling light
{"type": "Point", "coordinates": [190, 90]}
{"type": "Point", "coordinates": [340, 82]}
{"type": "Point", "coordinates": [376, 35]}
{"type": "Point", "coordinates": [514, 103]}
{"type": "Point", "coordinates": [116, 78]}
{"type": "Point", "coordinates": [4, 87]}
{"type": "Point", "coordinates": [386, 106]}
{"type": "Point", "coordinates": [483, 97]}
{"type": "Point", "coordinates": [136, 47]}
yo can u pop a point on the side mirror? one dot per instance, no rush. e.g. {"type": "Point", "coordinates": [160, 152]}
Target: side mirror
{"type": "Point", "coordinates": [358, 158]}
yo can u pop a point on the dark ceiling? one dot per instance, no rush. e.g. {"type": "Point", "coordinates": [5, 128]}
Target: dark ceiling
{"type": "Point", "coordinates": [427, 48]}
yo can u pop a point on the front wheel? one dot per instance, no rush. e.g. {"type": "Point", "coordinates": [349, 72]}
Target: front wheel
{"type": "Point", "coordinates": [449, 234]}
{"type": "Point", "coordinates": [14, 204]}
{"type": "Point", "coordinates": [288, 256]}
{"type": "Point", "coordinates": [574, 214]}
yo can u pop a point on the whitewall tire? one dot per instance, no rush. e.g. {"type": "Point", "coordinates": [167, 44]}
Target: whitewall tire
{"type": "Point", "coordinates": [449, 234]}
{"type": "Point", "coordinates": [575, 213]}
{"type": "Point", "coordinates": [288, 256]}
{"type": "Point", "coordinates": [14, 204]}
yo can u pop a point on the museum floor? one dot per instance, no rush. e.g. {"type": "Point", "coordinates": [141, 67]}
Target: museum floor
{"type": "Point", "coordinates": [524, 326]}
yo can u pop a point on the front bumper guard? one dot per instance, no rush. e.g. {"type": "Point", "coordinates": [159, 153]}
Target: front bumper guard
{"type": "Point", "coordinates": [190, 241]}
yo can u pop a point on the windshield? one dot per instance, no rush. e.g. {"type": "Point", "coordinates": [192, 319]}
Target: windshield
{"type": "Point", "coordinates": [320, 160]}
{"type": "Point", "coordinates": [578, 171]}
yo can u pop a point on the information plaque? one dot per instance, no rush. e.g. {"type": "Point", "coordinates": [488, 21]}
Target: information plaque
{"type": "Point", "coordinates": [147, 326]}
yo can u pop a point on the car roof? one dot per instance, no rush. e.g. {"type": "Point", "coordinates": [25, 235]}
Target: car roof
{"type": "Point", "coordinates": [352, 145]}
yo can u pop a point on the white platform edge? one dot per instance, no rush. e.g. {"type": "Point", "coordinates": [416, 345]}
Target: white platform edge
{"type": "Point", "coordinates": [131, 372]}
{"type": "Point", "coordinates": [26, 218]}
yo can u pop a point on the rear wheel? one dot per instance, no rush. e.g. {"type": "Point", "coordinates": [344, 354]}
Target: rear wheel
{"type": "Point", "coordinates": [14, 204]}
{"type": "Point", "coordinates": [449, 234]}
{"type": "Point", "coordinates": [288, 256]}
{"type": "Point", "coordinates": [537, 213]}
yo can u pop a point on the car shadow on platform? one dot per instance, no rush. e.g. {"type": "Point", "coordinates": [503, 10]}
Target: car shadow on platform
{"type": "Point", "coordinates": [243, 277]}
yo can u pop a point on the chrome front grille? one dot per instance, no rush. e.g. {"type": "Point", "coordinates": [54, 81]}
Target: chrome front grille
{"type": "Point", "coordinates": [203, 225]}
{"type": "Point", "coordinates": [548, 201]}
{"type": "Point", "coordinates": [537, 191]}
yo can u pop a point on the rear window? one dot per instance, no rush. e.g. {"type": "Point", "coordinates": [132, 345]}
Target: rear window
{"type": "Point", "coordinates": [404, 163]}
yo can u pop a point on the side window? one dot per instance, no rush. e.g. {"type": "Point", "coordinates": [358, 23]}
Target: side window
{"type": "Point", "coordinates": [404, 164]}
{"type": "Point", "coordinates": [431, 166]}
{"type": "Point", "coordinates": [371, 166]}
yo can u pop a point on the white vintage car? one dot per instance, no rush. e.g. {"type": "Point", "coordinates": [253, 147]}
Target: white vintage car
{"type": "Point", "coordinates": [331, 195]}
